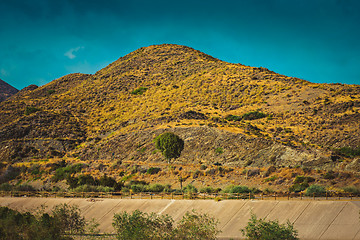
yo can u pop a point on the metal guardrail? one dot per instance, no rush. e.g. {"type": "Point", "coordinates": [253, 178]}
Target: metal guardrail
{"type": "Point", "coordinates": [216, 196]}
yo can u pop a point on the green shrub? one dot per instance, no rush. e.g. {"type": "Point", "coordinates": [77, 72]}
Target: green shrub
{"type": "Point", "coordinates": [207, 190]}
{"type": "Point", "coordinates": [236, 189]}
{"type": "Point", "coordinates": [348, 151]}
{"type": "Point", "coordinates": [196, 226]}
{"type": "Point", "coordinates": [139, 225]}
{"type": "Point", "coordinates": [190, 189]}
{"type": "Point", "coordinates": [271, 179]}
{"type": "Point", "coordinates": [155, 188]}
{"type": "Point", "coordinates": [51, 91]}
{"type": "Point", "coordinates": [62, 173]}
{"type": "Point", "coordinates": [6, 187]}
{"type": "Point", "coordinates": [261, 229]}
{"type": "Point", "coordinates": [315, 189]}
{"type": "Point", "coordinates": [219, 150]}
{"type": "Point", "coordinates": [24, 188]}
{"type": "Point", "coordinates": [303, 179]}
{"type": "Point", "coordinates": [139, 91]}
{"type": "Point", "coordinates": [60, 224]}
{"type": "Point", "coordinates": [348, 189]}
{"type": "Point", "coordinates": [298, 187]}
{"type": "Point", "coordinates": [90, 188]}
{"type": "Point", "coordinates": [233, 118]}
{"type": "Point", "coordinates": [146, 226]}
{"type": "Point", "coordinates": [30, 110]}
{"type": "Point", "coordinates": [253, 115]}
{"type": "Point", "coordinates": [69, 218]}
{"type": "Point", "coordinates": [153, 170]}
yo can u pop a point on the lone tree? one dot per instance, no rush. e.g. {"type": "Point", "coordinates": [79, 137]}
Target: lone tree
{"type": "Point", "coordinates": [170, 145]}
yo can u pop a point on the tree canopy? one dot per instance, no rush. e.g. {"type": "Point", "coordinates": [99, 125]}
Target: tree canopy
{"type": "Point", "coordinates": [170, 145]}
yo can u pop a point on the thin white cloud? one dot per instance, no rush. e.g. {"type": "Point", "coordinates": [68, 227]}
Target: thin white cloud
{"type": "Point", "coordinates": [4, 73]}
{"type": "Point", "coordinates": [71, 53]}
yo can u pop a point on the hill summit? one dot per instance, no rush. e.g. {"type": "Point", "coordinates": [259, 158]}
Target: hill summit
{"type": "Point", "coordinates": [6, 90]}
{"type": "Point", "coordinates": [226, 113]}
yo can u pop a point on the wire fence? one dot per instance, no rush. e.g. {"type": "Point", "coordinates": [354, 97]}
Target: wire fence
{"type": "Point", "coordinates": [176, 195]}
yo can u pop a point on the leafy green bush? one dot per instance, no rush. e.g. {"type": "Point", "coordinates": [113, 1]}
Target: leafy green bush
{"type": "Point", "coordinates": [6, 187]}
{"type": "Point", "coordinates": [301, 183]}
{"type": "Point", "coordinates": [69, 218]}
{"type": "Point", "coordinates": [349, 189]}
{"type": "Point", "coordinates": [24, 188]}
{"type": "Point", "coordinates": [90, 188]}
{"type": "Point", "coordinates": [260, 229]}
{"type": "Point", "coordinates": [207, 190]}
{"type": "Point", "coordinates": [170, 145]}
{"type": "Point", "coordinates": [233, 118]}
{"type": "Point", "coordinates": [155, 187]}
{"type": "Point", "coordinates": [63, 220]}
{"type": "Point", "coordinates": [196, 226]}
{"type": "Point", "coordinates": [236, 189]}
{"type": "Point", "coordinates": [146, 226]}
{"type": "Point", "coordinates": [139, 225]}
{"type": "Point", "coordinates": [348, 151]}
{"type": "Point", "coordinates": [315, 189]}
{"type": "Point", "coordinates": [64, 172]}
{"type": "Point", "coordinates": [139, 91]}
{"type": "Point", "coordinates": [30, 110]}
{"type": "Point", "coordinates": [219, 150]}
{"type": "Point", "coordinates": [253, 115]}
{"type": "Point", "coordinates": [190, 189]}
{"type": "Point", "coordinates": [153, 170]}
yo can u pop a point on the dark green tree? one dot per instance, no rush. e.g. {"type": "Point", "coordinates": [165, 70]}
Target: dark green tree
{"type": "Point", "coordinates": [170, 145]}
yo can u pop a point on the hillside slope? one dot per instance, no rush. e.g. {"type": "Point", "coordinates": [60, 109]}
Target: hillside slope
{"type": "Point", "coordinates": [6, 90]}
{"type": "Point", "coordinates": [255, 116]}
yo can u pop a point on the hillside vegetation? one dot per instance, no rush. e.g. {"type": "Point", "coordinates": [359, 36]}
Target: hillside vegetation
{"type": "Point", "coordinates": [230, 114]}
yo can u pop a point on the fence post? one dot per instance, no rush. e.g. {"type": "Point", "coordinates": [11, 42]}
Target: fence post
{"type": "Point", "coordinates": [314, 196]}
{"type": "Point", "coordinates": [249, 195]}
{"type": "Point", "coordinates": [326, 195]}
{"type": "Point", "coordinates": [275, 195]}
{"type": "Point", "coordinates": [288, 195]}
{"type": "Point", "coordinates": [301, 196]}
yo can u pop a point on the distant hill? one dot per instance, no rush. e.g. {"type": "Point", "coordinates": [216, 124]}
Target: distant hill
{"type": "Point", "coordinates": [6, 90]}
{"type": "Point", "coordinates": [255, 116]}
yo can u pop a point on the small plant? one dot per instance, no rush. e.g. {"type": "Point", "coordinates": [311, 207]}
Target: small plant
{"type": "Point", "coordinates": [139, 91]}
{"type": "Point", "coordinates": [51, 91]}
{"type": "Point", "coordinates": [190, 189]}
{"type": "Point", "coordinates": [219, 150]}
{"type": "Point", "coordinates": [153, 170]}
{"type": "Point", "coordinates": [271, 179]}
{"type": "Point", "coordinates": [253, 115]}
{"type": "Point", "coordinates": [30, 110]}
{"type": "Point", "coordinates": [348, 151]}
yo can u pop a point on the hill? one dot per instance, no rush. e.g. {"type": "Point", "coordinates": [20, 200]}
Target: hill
{"type": "Point", "coordinates": [6, 90]}
{"type": "Point", "coordinates": [229, 114]}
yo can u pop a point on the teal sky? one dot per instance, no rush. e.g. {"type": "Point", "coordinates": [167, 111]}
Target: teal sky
{"type": "Point", "coordinates": [316, 40]}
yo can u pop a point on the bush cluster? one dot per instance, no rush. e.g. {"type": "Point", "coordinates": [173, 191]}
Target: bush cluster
{"type": "Point", "coordinates": [140, 225]}
{"type": "Point", "coordinates": [246, 116]}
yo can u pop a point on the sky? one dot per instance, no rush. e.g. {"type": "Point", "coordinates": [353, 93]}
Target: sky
{"type": "Point", "coordinates": [315, 40]}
